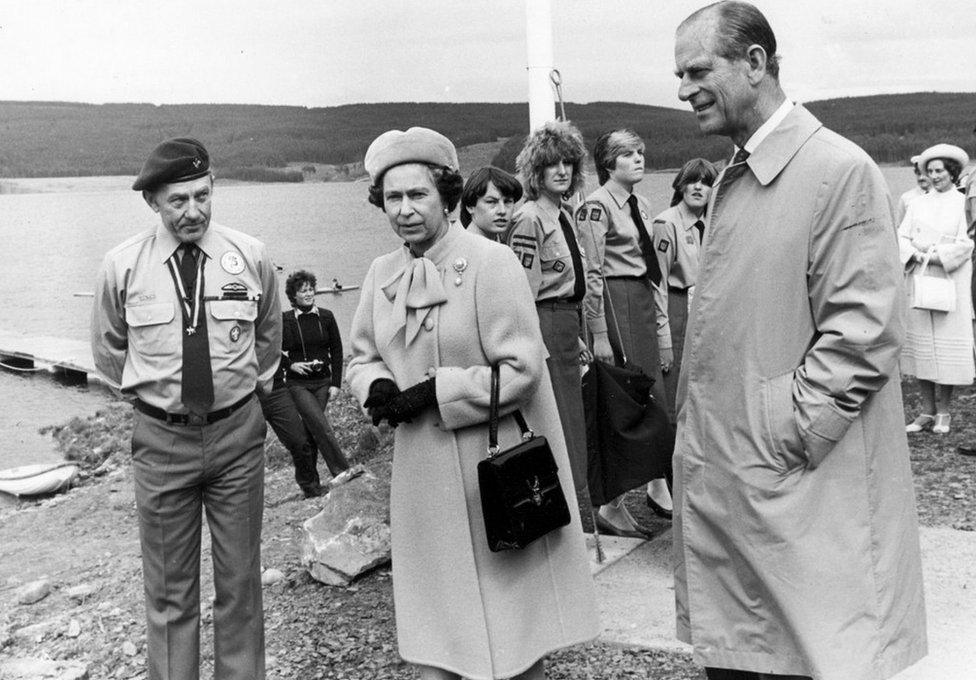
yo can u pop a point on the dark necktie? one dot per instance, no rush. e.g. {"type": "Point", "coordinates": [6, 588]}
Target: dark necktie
{"type": "Point", "coordinates": [579, 284]}
{"type": "Point", "coordinates": [700, 226]}
{"type": "Point", "coordinates": [646, 244]}
{"type": "Point", "coordinates": [197, 382]}
{"type": "Point", "coordinates": [733, 171]}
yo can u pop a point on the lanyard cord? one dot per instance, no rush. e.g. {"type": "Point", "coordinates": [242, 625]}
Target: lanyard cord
{"type": "Point", "coordinates": [301, 336]}
{"type": "Point", "coordinates": [191, 308]}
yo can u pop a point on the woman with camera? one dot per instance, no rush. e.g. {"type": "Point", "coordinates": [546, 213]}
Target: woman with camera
{"type": "Point", "coordinates": [312, 355]}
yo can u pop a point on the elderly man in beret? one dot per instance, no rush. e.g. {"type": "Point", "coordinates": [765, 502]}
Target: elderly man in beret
{"type": "Point", "coordinates": [187, 322]}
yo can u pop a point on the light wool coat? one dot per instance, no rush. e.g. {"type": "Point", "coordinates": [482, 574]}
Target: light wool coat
{"type": "Point", "coordinates": [939, 345]}
{"type": "Point", "coordinates": [795, 528]}
{"type": "Point", "coordinates": [459, 606]}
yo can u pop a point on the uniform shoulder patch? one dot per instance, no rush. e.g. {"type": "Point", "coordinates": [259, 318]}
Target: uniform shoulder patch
{"type": "Point", "coordinates": [527, 259]}
{"type": "Point", "coordinates": [663, 245]}
{"type": "Point", "coordinates": [595, 214]}
{"type": "Point", "coordinates": [581, 214]}
{"type": "Point", "coordinates": [559, 265]}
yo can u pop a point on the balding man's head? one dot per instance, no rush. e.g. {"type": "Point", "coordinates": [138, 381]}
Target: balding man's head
{"type": "Point", "coordinates": [739, 26]}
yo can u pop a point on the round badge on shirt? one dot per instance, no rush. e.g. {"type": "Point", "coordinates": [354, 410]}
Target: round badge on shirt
{"type": "Point", "coordinates": [231, 262]}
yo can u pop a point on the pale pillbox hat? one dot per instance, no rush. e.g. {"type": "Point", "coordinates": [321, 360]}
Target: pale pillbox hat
{"type": "Point", "coordinates": [416, 145]}
{"type": "Point", "coordinates": [943, 151]}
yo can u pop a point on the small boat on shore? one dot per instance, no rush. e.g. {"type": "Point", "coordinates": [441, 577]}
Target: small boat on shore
{"type": "Point", "coordinates": [40, 478]}
{"type": "Point", "coordinates": [334, 289]}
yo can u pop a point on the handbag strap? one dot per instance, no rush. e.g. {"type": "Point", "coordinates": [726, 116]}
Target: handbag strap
{"type": "Point", "coordinates": [493, 416]}
{"type": "Point", "coordinates": [618, 348]}
{"type": "Point", "coordinates": [925, 261]}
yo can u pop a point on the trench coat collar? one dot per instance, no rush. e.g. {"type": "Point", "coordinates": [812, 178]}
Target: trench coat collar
{"type": "Point", "coordinates": [775, 152]}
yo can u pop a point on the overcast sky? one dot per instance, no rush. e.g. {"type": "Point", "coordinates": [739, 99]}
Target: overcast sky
{"type": "Point", "coordinates": [330, 52]}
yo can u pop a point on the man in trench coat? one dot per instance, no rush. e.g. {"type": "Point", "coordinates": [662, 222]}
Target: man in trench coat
{"type": "Point", "coordinates": [796, 535]}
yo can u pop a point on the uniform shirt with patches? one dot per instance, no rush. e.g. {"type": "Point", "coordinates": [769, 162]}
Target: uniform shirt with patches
{"type": "Point", "coordinates": [677, 247]}
{"type": "Point", "coordinates": [538, 242]}
{"type": "Point", "coordinates": [612, 245]}
{"type": "Point", "coordinates": [137, 323]}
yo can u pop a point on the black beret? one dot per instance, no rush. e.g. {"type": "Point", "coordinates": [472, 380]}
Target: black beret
{"type": "Point", "coordinates": [175, 160]}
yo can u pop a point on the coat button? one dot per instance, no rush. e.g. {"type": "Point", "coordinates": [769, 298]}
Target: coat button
{"type": "Point", "coordinates": [428, 324]}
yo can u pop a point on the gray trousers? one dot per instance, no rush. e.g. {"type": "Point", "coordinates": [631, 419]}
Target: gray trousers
{"type": "Point", "coordinates": [179, 471]}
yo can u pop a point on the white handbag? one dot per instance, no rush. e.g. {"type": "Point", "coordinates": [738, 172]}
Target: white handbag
{"type": "Point", "coordinates": [932, 292]}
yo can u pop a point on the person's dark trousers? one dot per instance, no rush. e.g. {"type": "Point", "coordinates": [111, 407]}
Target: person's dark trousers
{"type": "Point", "coordinates": [283, 417]}
{"type": "Point", "coordinates": [311, 398]}
{"type": "Point", "coordinates": [179, 471]}
{"type": "Point", "coordinates": [729, 674]}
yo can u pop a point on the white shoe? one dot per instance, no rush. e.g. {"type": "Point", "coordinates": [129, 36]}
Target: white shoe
{"type": "Point", "coordinates": [923, 422]}
{"type": "Point", "coordinates": [941, 423]}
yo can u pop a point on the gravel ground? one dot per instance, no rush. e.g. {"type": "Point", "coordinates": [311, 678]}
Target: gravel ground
{"type": "Point", "coordinates": [89, 536]}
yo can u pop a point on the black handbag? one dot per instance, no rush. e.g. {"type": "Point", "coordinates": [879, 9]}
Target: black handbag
{"type": "Point", "coordinates": [521, 498]}
{"type": "Point", "coordinates": [629, 439]}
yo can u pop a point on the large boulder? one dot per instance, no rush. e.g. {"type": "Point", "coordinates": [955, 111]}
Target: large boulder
{"type": "Point", "coordinates": [351, 535]}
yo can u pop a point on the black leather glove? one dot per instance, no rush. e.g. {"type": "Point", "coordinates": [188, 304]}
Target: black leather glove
{"type": "Point", "coordinates": [410, 403]}
{"type": "Point", "coordinates": [380, 393]}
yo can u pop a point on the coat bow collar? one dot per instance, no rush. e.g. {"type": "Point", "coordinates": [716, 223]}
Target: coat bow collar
{"type": "Point", "coordinates": [415, 291]}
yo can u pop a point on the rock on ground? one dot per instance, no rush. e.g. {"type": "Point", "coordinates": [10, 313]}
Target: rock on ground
{"type": "Point", "coordinates": [351, 535]}
{"type": "Point", "coordinates": [35, 591]}
{"type": "Point", "coordinates": [27, 668]}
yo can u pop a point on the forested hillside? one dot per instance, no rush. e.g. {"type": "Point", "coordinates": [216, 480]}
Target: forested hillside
{"type": "Point", "coordinates": [41, 139]}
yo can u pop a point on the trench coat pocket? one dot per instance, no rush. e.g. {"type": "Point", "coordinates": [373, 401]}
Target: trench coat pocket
{"type": "Point", "coordinates": [780, 433]}
{"type": "Point", "coordinates": [149, 327]}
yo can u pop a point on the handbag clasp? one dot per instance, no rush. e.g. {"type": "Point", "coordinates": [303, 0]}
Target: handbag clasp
{"type": "Point", "coordinates": [534, 487]}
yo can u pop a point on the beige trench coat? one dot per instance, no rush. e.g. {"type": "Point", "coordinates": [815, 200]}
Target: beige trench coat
{"type": "Point", "coordinates": [795, 528]}
{"type": "Point", "coordinates": [459, 606]}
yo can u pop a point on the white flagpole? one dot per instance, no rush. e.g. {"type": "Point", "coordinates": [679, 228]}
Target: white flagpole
{"type": "Point", "coordinates": [538, 35]}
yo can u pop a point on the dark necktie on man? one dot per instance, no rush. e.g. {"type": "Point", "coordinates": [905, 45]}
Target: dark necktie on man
{"type": "Point", "coordinates": [197, 384]}
{"type": "Point", "coordinates": [733, 171]}
{"type": "Point", "coordinates": [700, 227]}
{"type": "Point", "coordinates": [646, 244]}
{"type": "Point", "coordinates": [579, 285]}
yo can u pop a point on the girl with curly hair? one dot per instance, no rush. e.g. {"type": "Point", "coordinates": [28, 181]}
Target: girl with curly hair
{"type": "Point", "coordinates": [545, 240]}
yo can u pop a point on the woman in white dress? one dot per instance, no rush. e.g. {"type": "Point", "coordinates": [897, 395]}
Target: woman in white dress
{"type": "Point", "coordinates": [938, 345]}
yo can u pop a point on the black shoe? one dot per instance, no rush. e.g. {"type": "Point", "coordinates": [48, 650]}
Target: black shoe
{"type": "Point", "coordinates": [657, 509]}
{"type": "Point", "coordinates": [607, 529]}
{"type": "Point", "coordinates": [967, 450]}
{"type": "Point", "coordinates": [315, 491]}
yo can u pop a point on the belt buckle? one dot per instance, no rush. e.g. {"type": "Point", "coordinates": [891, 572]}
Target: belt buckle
{"type": "Point", "coordinates": [196, 420]}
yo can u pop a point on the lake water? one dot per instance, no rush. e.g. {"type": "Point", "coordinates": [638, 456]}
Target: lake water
{"type": "Point", "coordinates": [54, 242]}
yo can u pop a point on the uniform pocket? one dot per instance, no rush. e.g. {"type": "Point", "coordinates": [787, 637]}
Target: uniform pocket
{"type": "Point", "coordinates": [150, 332]}
{"type": "Point", "coordinates": [232, 324]}
{"type": "Point", "coordinates": [554, 256]}
{"type": "Point", "coordinates": [780, 433]}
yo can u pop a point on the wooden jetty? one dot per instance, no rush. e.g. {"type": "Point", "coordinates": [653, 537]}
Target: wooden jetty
{"type": "Point", "coordinates": [71, 359]}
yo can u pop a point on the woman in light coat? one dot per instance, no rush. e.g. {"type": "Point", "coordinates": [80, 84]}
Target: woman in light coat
{"type": "Point", "coordinates": [433, 316]}
{"type": "Point", "coordinates": [938, 345]}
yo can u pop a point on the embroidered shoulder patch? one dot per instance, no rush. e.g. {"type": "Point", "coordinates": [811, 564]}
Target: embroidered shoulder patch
{"type": "Point", "coordinates": [595, 214]}
{"type": "Point", "coordinates": [559, 265]}
{"type": "Point", "coordinates": [581, 214]}
{"type": "Point", "coordinates": [663, 245]}
{"type": "Point", "coordinates": [527, 259]}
